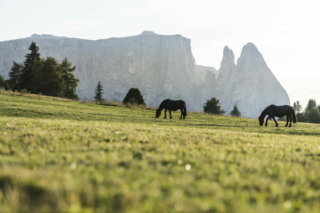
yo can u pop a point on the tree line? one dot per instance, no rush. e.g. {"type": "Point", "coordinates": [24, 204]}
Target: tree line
{"type": "Point", "coordinates": [42, 76]}
{"type": "Point", "coordinates": [311, 113]}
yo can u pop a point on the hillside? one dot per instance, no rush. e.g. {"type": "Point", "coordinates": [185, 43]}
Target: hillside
{"type": "Point", "coordinates": [65, 156]}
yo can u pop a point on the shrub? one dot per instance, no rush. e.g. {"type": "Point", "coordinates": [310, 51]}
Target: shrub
{"type": "Point", "coordinates": [3, 83]}
{"type": "Point", "coordinates": [235, 111]}
{"type": "Point", "coordinates": [212, 107]}
{"type": "Point", "coordinates": [23, 91]}
{"type": "Point", "coordinates": [134, 97]}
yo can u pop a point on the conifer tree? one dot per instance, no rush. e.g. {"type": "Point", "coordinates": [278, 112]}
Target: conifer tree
{"type": "Point", "coordinates": [212, 107]}
{"type": "Point", "coordinates": [314, 115]}
{"type": "Point", "coordinates": [27, 77]}
{"type": "Point", "coordinates": [3, 84]}
{"type": "Point", "coordinates": [311, 104]}
{"type": "Point", "coordinates": [69, 80]}
{"type": "Point", "coordinates": [48, 77]}
{"type": "Point", "coordinates": [98, 92]}
{"type": "Point", "coordinates": [134, 96]}
{"type": "Point", "coordinates": [297, 107]}
{"type": "Point", "coordinates": [15, 75]}
{"type": "Point", "coordinates": [235, 111]}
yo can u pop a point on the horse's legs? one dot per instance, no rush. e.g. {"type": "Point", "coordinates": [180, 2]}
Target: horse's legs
{"type": "Point", "coordinates": [290, 120]}
{"type": "Point", "coordinates": [287, 120]}
{"type": "Point", "coordinates": [275, 121]}
{"type": "Point", "coordinates": [170, 114]}
{"type": "Point", "coordinates": [267, 121]}
{"type": "Point", "coordinates": [165, 113]}
{"type": "Point", "coordinates": [181, 113]}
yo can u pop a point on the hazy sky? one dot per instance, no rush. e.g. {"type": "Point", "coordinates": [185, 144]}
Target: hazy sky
{"type": "Point", "coordinates": [286, 32]}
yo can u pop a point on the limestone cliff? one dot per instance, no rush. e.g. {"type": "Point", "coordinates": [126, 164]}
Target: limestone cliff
{"type": "Point", "coordinates": [161, 67]}
{"type": "Point", "coordinates": [203, 70]}
{"type": "Point", "coordinates": [250, 84]}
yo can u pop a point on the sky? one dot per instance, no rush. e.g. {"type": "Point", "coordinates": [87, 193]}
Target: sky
{"type": "Point", "coordinates": [285, 32]}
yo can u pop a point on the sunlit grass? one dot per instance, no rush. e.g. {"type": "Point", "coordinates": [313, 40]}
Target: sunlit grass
{"type": "Point", "coordinates": [66, 156]}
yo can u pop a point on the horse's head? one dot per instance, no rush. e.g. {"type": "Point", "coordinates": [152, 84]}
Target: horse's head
{"type": "Point", "coordinates": [261, 120]}
{"type": "Point", "coordinates": [158, 113]}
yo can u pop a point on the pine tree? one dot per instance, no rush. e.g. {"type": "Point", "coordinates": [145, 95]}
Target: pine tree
{"type": "Point", "coordinates": [134, 97]}
{"type": "Point", "coordinates": [311, 104]}
{"type": "Point", "coordinates": [235, 111]}
{"type": "Point", "coordinates": [15, 75]}
{"type": "Point", "coordinates": [3, 84]}
{"type": "Point", "coordinates": [69, 80]}
{"type": "Point", "coordinates": [98, 92]}
{"type": "Point", "coordinates": [314, 115]}
{"type": "Point", "coordinates": [27, 77]}
{"type": "Point", "coordinates": [297, 107]}
{"type": "Point", "coordinates": [212, 107]}
{"type": "Point", "coordinates": [47, 75]}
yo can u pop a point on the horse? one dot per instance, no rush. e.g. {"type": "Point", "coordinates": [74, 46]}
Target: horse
{"type": "Point", "coordinates": [172, 105]}
{"type": "Point", "coordinates": [278, 111]}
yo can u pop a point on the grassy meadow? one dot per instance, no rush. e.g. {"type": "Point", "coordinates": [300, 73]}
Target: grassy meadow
{"type": "Point", "coordinates": [64, 156]}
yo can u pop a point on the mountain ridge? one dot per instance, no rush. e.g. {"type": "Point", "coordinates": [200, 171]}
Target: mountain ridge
{"type": "Point", "coordinates": [161, 66]}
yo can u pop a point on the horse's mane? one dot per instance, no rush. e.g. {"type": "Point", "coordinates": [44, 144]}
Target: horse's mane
{"type": "Point", "coordinates": [264, 113]}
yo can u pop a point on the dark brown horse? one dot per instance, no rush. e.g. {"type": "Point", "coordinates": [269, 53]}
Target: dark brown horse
{"type": "Point", "coordinates": [278, 111]}
{"type": "Point", "coordinates": [172, 105]}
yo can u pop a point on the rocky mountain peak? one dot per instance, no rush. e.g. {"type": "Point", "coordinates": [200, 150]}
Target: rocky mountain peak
{"type": "Point", "coordinates": [228, 57]}
{"type": "Point", "coordinates": [147, 33]}
{"type": "Point", "coordinates": [250, 56]}
{"type": "Point", "coordinates": [227, 63]}
{"type": "Point", "coordinates": [250, 50]}
{"type": "Point", "coordinates": [43, 36]}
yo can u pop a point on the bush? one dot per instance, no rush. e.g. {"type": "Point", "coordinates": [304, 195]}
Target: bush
{"type": "Point", "coordinates": [134, 97]}
{"type": "Point", "coordinates": [235, 111]}
{"type": "Point", "coordinates": [212, 107]}
{"type": "Point", "coordinates": [23, 91]}
{"type": "Point", "coordinates": [3, 83]}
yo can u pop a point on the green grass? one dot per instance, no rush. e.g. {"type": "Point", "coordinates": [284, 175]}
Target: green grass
{"type": "Point", "coordinates": [64, 156]}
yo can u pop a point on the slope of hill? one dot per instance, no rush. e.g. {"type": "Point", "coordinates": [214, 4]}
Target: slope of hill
{"type": "Point", "coordinates": [65, 156]}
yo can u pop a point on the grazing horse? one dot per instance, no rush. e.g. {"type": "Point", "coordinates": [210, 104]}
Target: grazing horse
{"type": "Point", "coordinates": [172, 105]}
{"type": "Point", "coordinates": [278, 111]}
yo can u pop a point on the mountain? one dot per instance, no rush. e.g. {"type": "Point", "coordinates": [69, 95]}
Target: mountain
{"type": "Point", "coordinates": [250, 83]}
{"type": "Point", "coordinates": [202, 72]}
{"type": "Point", "coordinates": [161, 66]}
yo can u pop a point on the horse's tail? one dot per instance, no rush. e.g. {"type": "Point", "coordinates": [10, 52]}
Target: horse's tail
{"type": "Point", "coordinates": [185, 110]}
{"type": "Point", "coordinates": [295, 120]}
